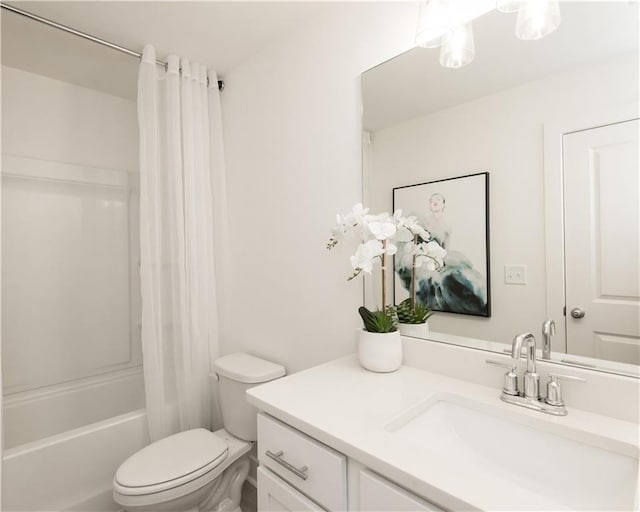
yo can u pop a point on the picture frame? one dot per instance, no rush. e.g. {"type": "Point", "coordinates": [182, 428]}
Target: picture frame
{"type": "Point", "coordinates": [455, 211]}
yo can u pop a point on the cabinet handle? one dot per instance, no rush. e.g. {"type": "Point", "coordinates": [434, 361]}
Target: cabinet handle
{"type": "Point", "coordinates": [301, 473]}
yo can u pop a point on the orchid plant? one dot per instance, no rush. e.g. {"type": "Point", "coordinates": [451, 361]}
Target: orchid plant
{"type": "Point", "coordinates": [384, 235]}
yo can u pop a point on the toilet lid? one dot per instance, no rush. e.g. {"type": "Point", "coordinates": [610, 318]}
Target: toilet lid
{"type": "Point", "coordinates": [173, 458]}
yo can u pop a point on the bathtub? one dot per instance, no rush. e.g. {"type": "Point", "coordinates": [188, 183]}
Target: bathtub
{"type": "Point", "coordinates": [71, 471]}
{"type": "Point", "coordinates": [44, 412]}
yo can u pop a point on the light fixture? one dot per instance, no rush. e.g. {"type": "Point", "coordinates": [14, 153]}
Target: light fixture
{"type": "Point", "coordinates": [458, 47]}
{"type": "Point", "coordinates": [434, 22]}
{"type": "Point", "coordinates": [537, 18]}
{"type": "Point", "coordinates": [508, 5]}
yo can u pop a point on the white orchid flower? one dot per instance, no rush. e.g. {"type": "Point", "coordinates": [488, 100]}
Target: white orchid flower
{"type": "Point", "coordinates": [391, 249]}
{"type": "Point", "coordinates": [431, 254]}
{"type": "Point", "coordinates": [382, 230]}
{"type": "Point", "coordinates": [362, 260]}
{"type": "Point", "coordinates": [382, 226]}
{"type": "Point", "coordinates": [346, 222]}
{"type": "Point", "coordinates": [359, 212]}
{"type": "Point", "coordinates": [412, 225]}
{"type": "Point", "coordinates": [403, 236]}
{"type": "Point", "coordinates": [355, 217]}
{"type": "Point", "coordinates": [434, 249]}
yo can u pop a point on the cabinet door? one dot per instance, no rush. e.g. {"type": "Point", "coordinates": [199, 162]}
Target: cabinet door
{"type": "Point", "coordinates": [275, 495]}
{"type": "Point", "coordinates": [379, 495]}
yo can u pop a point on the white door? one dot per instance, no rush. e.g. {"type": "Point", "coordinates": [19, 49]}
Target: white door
{"type": "Point", "coordinates": [275, 495]}
{"type": "Point", "coordinates": [602, 239]}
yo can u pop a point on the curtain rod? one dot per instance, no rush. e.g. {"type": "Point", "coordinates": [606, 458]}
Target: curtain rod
{"type": "Point", "coordinates": [84, 35]}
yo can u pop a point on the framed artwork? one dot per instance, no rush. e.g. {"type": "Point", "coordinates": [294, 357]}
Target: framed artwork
{"type": "Point", "coordinates": [455, 211]}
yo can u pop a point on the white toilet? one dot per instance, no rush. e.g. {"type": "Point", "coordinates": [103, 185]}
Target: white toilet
{"type": "Point", "coordinates": [199, 470]}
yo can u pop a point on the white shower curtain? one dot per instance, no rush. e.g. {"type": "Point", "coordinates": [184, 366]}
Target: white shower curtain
{"type": "Point", "coordinates": [180, 161]}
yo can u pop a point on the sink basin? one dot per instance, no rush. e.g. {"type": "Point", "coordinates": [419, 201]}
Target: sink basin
{"type": "Point", "coordinates": [575, 470]}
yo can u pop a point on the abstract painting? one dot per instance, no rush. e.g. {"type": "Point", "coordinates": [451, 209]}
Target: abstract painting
{"type": "Point", "coordinates": [455, 211]}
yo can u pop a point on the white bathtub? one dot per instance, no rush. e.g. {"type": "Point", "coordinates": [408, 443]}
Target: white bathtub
{"type": "Point", "coordinates": [72, 470]}
{"type": "Point", "coordinates": [41, 413]}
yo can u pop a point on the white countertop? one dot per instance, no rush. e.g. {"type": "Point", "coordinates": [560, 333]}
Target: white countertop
{"type": "Point", "coordinates": [346, 407]}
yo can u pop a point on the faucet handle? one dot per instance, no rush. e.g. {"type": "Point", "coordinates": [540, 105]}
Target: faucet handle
{"type": "Point", "coordinates": [510, 385]}
{"type": "Point", "coordinates": [554, 390]}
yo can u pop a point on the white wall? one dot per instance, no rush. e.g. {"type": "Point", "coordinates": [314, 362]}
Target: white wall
{"type": "Point", "coordinates": [292, 122]}
{"type": "Point", "coordinates": [54, 120]}
{"type": "Point", "coordinates": [503, 134]}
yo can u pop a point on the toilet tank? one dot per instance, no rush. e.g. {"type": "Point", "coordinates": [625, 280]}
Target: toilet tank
{"type": "Point", "coordinates": [237, 373]}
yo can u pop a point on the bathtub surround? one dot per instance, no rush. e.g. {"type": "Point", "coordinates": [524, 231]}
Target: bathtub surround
{"type": "Point", "coordinates": [92, 412]}
{"type": "Point", "coordinates": [82, 152]}
{"type": "Point", "coordinates": [178, 114]}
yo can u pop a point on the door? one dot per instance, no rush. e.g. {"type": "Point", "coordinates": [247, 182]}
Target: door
{"type": "Point", "coordinates": [275, 495]}
{"type": "Point", "coordinates": [602, 238]}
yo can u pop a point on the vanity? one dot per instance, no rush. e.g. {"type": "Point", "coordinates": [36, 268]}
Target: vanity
{"type": "Point", "coordinates": [338, 437]}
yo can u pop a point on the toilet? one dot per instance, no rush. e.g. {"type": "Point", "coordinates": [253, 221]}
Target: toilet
{"type": "Point", "coordinates": [198, 470]}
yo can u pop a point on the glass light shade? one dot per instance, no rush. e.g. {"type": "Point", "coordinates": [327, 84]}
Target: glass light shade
{"type": "Point", "coordinates": [537, 18]}
{"type": "Point", "coordinates": [508, 5]}
{"type": "Point", "coordinates": [458, 48]}
{"type": "Point", "coordinates": [433, 23]}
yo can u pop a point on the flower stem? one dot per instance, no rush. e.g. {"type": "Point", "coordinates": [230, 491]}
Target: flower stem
{"type": "Point", "coordinates": [384, 274]}
{"type": "Point", "coordinates": [413, 275]}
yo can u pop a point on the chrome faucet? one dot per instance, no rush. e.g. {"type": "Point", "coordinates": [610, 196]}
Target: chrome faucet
{"type": "Point", "coordinates": [548, 330]}
{"type": "Point", "coordinates": [531, 378]}
{"type": "Point", "coordinates": [530, 398]}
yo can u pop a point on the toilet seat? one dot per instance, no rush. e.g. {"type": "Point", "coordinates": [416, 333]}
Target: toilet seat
{"type": "Point", "coordinates": [172, 462]}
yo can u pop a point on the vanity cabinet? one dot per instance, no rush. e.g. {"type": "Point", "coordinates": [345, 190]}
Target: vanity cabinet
{"type": "Point", "coordinates": [274, 494]}
{"type": "Point", "coordinates": [298, 472]}
{"type": "Point", "coordinates": [377, 494]}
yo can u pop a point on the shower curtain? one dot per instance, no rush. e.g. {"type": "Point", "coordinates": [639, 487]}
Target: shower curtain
{"type": "Point", "coordinates": [181, 170]}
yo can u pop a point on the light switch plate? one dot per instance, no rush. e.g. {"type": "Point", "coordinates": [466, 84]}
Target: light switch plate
{"type": "Point", "coordinates": [515, 274]}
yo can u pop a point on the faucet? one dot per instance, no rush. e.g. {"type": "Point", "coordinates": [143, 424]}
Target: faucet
{"type": "Point", "coordinates": [530, 398]}
{"type": "Point", "coordinates": [531, 378]}
{"type": "Point", "coordinates": [548, 330]}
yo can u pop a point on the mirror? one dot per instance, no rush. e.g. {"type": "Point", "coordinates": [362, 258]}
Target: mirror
{"type": "Point", "coordinates": [553, 123]}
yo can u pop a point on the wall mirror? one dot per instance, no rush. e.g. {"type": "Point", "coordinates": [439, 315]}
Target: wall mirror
{"type": "Point", "coordinates": [554, 123]}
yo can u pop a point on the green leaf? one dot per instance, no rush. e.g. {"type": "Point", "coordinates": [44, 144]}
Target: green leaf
{"type": "Point", "coordinates": [417, 314]}
{"type": "Point", "coordinates": [379, 321]}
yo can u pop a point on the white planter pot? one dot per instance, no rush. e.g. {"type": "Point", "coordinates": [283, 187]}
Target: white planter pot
{"type": "Point", "coordinates": [414, 330]}
{"type": "Point", "coordinates": [380, 352]}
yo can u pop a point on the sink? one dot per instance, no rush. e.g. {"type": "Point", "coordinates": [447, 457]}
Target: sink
{"type": "Point", "coordinates": [575, 470]}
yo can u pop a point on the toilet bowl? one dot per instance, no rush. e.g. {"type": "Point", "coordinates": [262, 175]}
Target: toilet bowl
{"type": "Point", "coordinates": [198, 470]}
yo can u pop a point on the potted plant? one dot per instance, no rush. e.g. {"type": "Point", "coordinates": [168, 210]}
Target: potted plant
{"type": "Point", "coordinates": [380, 345]}
{"type": "Point", "coordinates": [412, 319]}
{"type": "Point", "coordinates": [420, 250]}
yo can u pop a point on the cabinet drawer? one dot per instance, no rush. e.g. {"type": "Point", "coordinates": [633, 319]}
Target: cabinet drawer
{"type": "Point", "coordinates": [275, 495]}
{"type": "Point", "coordinates": [377, 494]}
{"type": "Point", "coordinates": [312, 467]}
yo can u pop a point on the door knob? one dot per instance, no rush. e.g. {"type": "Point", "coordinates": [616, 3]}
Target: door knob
{"type": "Point", "coordinates": [577, 313]}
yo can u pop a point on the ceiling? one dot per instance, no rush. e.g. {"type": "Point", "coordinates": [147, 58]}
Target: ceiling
{"type": "Point", "coordinates": [220, 35]}
{"type": "Point", "coordinates": [414, 84]}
